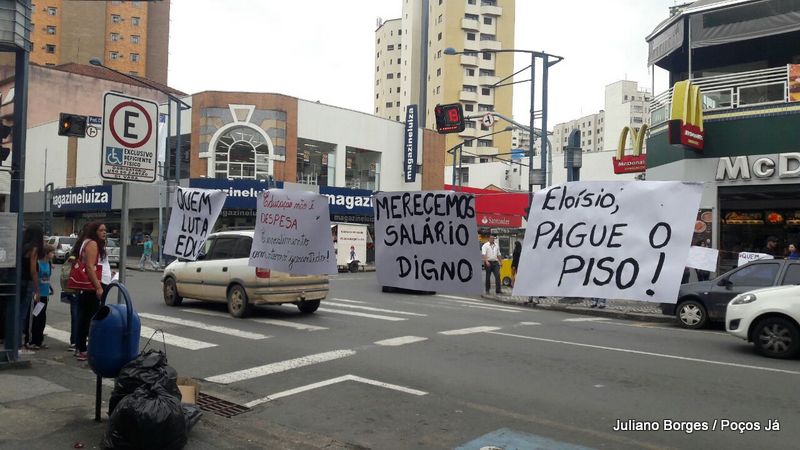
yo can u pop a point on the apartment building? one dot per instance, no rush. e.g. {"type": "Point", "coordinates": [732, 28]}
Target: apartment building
{"type": "Point", "coordinates": [129, 36]}
{"type": "Point", "coordinates": [626, 105]}
{"type": "Point", "coordinates": [591, 128]}
{"type": "Point", "coordinates": [468, 26]}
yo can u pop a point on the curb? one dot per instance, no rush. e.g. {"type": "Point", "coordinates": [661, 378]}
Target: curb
{"type": "Point", "coordinates": [615, 314]}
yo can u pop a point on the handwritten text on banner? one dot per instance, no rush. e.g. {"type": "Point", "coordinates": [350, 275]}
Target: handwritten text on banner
{"type": "Point", "coordinates": [194, 212]}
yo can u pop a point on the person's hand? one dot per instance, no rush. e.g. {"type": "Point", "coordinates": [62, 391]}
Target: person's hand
{"type": "Point", "coordinates": [99, 293]}
{"type": "Point", "coordinates": [486, 263]}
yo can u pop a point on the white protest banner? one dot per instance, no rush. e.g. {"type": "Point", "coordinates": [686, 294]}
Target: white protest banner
{"type": "Point", "coordinates": [293, 233]}
{"type": "Point", "coordinates": [427, 241]}
{"type": "Point", "coordinates": [702, 258]}
{"type": "Point", "coordinates": [746, 257]}
{"type": "Point", "coordinates": [616, 239]}
{"type": "Point", "coordinates": [194, 212]}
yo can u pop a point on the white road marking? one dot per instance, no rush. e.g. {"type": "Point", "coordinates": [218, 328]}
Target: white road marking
{"type": "Point", "coordinates": [491, 308]}
{"type": "Point", "coordinates": [395, 342]}
{"type": "Point", "coordinates": [282, 366]}
{"type": "Point", "coordinates": [656, 326]}
{"type": "Point", "coordinates": [473, 330]}
{"type": "Point", "coordinates": [369, 308]}
{"type": "Point", "coordinates": [276, 322]}
{"type": "Point", "coordinates": [203, 326]}
{"type": "Point", "coordinates": [175, 341]}
{"type": "Point", "coordinates": [639, 352]}
{"type": "Point", "coordinates": [482, 304]}
{"type": "Point", "coordinates": [358, 314]}
{"type": "Point", "coordinates": [454, 297]}
{"type": "Point", "coordinates": [347, 300]}
{"type": "Point", "coordinates": [57, 334]}
{"type": "Point", "coordinates": [324, 383]}
{"type": "Point", "coordinates": [530, 323]}
{"type": "Point", "coordinates": [587, 319]}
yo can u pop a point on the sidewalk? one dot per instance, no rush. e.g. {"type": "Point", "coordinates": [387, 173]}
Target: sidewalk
{"type": "Point", "coordinates": [48, 403]}
{"type": "Point", "coordinates": [618, 309]}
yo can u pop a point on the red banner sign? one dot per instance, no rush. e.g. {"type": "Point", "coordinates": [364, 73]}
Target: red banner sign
{"type": "Point", "coordinates": [498, 220]}
{"type": "Point", "coordinates": [630, 164]}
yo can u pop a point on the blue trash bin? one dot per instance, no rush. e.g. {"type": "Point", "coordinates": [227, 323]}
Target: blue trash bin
{"type": "Point", "coordinates": [113, 335]}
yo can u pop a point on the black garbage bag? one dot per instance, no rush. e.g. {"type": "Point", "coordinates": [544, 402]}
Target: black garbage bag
{"type": "Point", "coordinates": [149, 418]}
{"type": "Point", "coordinates": [191, 414]}
{"type": "Point", "coordinates": [147, 369]}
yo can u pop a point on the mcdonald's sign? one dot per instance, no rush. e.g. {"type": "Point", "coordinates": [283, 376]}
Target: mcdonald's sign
{"type": "Point", "coordinates": [637, 162]}
{"type": "Point", "coordinates": [686, 116]}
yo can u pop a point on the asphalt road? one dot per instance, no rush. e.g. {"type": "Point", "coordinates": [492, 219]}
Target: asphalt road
{"type": "Point", "coordinates": [396, 371]}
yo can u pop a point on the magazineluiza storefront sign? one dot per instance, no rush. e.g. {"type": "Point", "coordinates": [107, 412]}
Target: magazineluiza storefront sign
{"type": "Point", "coordinates": [86, 198]}
{"type": "Point", "coordinates": [410, 145]}
{"type": "Point", "coordinates": [241, 194]}
{"type": "Point", "coordinates": [732, 168]}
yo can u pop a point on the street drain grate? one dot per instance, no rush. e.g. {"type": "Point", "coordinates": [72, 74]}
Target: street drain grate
{"type": "Point", "coordinates": [220, 407]}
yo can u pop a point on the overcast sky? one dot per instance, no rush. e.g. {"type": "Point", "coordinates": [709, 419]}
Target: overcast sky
{"type": "Point", "coordinates": [323, 50]}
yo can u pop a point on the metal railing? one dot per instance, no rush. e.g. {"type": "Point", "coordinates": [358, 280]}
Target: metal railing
{"type": "Point", "coordinates": [721, 92]}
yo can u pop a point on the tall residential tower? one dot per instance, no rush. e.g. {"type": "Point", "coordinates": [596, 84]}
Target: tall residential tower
{"type": "Point", "coordinates": [404, 65]}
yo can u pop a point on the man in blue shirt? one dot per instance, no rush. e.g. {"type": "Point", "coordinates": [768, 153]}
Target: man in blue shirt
{"type": "Point", "coordinates": [147, 253]}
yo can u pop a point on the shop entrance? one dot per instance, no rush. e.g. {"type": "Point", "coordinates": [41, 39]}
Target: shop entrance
{"type": "Point", "coordinates": [751, 214]}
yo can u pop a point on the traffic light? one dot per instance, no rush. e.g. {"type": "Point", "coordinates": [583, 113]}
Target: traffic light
{"type": "Point", "coordinates": [449, 118]}
{"type": "Point", "coordinates": [72, 125]}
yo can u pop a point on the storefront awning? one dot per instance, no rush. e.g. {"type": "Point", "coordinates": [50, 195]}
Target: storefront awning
{"type": "Point", "coordinates": [498, 209]}
{"type": "Point", "coordinates": [742, 22]}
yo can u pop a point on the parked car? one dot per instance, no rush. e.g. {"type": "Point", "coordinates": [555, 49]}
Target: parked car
{"type": "Point", "coordinates": [112, 251]}
{"type": "Point", "coordinates": [769, 318]}
{"type": "Point", "coordinates": [63, 245]}
{"type": "Point", "coordinates": [221, 274]}
{"type": "Point", "coordinates": [699, 303]}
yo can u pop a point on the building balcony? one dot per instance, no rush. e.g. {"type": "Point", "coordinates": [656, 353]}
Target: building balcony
{"type": "Point", "coordinates": [467, 96]}
{"type": "Point", "coordinates": [468, 60]}
{"type": "Point", "coordinates": [487, 80]}
{"type": "Point", "coordinates": [491, 9]}
{"type": "Point", "coordinates": [470, 24]}
{"type": "Point", "coordinates": [489, 29]}
{"type": "Point", "coordinates": [488, 64]}
{"type": "Point", "coordinates": [720, 95]}
{"type": "Point", "coordinates": [490, 45]}
{"type": "Point", "coordinates": [484, 151]}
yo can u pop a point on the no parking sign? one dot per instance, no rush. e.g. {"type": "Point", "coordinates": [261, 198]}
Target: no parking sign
{"type": "Point", "coordinates": [130, 144]}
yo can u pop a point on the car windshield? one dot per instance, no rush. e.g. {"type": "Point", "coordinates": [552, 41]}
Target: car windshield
{"type": "Point", "coordinates": [111, 242]}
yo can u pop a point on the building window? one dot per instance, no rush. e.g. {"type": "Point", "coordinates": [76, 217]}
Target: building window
{"type": "Point", "coordinates": [471, 17]}
{"type": "Point", "coordinates": [484, 142]}
{"type": "Point", "coordinates": [469, 107]}
{"type": "Point", "coordinates": [486, 73]}
{"type": "Point", "coordinates": [316, 162]}
{"type": "Point", "coordinates": [115, 18]}
{"type": "Point", "coordinates": [487, 37]}
{"type": "Point", "coordinates": [362, 169]}
{"type": "Point", "coordinates": [388, 104]}
{"type": "Point", "coordinates": [439, 20]}
{"type": "Point", "coordinates": [469, 88]}
{"type": "Point", "coordinates": [389, 76]}
{"type": "Point", "coordinates": [439, 37]}
{"type": "Point", "coordinates": [114, 37]}
{"type": "Point", "coordinates": [134, 57]}
{"type": "Point", "coordinates": [469, 124]}
{"type": "Point", "coordinates": [470, 72]}
{"type": "Point", "coordinates": [470, 36]}
{"type": "Point", "coordinates": [487, 56]}
{"type": "Point", "coordinates": [51, 29]}
{"type": "Point", "coordinates": [439, 72]}
{"type": "Point", "coordinates": [398, 60]}
{"type": "Point", "coordinates": [134, 39]}
{"type": "Point", "coordinates": [487, 20]}
{"type": "Point", "coordinates": [485, 108]}
{"type": "Point", "coordinates": [390, 47]}
{"type": "Point", "coordinates": [51, 11]}
{"type": "Point", "coordinates": [242, 152]}
{"type": "Point", "coordinates": [486, 91]}
{"type": "Point", "coordinates": [135, 21]}
{"type": "Point", "coordinates": [397, 104]}
{"type": "Point", "coordinates": [113, 55]}
{"type": "Point", "coordinates": [399, 32]}
{"type": "Point", "coordinates": [471, 2]}
{"type": "Point", "coordinates": [50, 48]}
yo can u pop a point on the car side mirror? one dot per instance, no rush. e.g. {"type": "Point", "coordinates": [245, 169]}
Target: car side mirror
{"type": "Point", "coordinates": [725, 282]}
{"type": "Point", "coordinates": [201, 256]}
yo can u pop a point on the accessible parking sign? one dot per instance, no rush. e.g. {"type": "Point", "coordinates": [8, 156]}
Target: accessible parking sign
{"type": "Point", "coordinates": [130, 144]}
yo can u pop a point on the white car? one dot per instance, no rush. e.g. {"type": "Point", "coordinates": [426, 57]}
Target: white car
{"type": "Point", "coordinates": [769, 318]}
{"type": "Point", "coordinates": [221, 274]}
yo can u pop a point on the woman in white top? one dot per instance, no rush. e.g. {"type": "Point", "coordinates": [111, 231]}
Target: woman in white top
{"type": "Point", "coordinates": [91, 249]}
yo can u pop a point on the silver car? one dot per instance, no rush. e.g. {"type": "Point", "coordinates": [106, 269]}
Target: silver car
{"type": "Point", "coordinates": [112, 251]}
{"type": "Point", "coordinates": [63, 246]}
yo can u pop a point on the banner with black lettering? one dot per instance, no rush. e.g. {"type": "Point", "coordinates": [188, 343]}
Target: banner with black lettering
{"type": "Point", "coordinates": [194, 213]}
{"type": "Point", "coordinates": [427, 241]}
{"type": "Point", "coordinates": [615, 240]}
{"type": "Point", "coordinates": [293, 233]}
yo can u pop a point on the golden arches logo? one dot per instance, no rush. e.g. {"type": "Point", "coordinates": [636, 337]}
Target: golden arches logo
{"type": "Point", "coordinates": [686, 116]}
{"type": "Point", "coordinates": [637, 162]}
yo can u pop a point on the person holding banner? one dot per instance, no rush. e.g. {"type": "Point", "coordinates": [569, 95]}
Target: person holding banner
{"type": "Point", "coordinates": [492, 260]}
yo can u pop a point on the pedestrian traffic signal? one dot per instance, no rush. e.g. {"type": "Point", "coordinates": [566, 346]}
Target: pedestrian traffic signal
{"type": "Point", "coordinates": [449, 118]}
{"type": "Point", "coordinates": [72, 125]}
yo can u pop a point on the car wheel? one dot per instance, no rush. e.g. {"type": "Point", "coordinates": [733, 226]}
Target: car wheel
{"type": "Point", "coordinates": [308, 306]}
{"type": "Point", "coordinates": [777, 337]}
{"type": "Point", "coordinates": [171, 296]}
{"type": "Point", "coordinates": [507, 281]}
{"type": "Point", "coordinates": [238, 305]}
{"type": "Point", "coordinates": [691, 314]}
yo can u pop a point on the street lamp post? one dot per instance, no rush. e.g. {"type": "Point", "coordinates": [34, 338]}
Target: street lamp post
{"type": "Point", "coordinates": [181, 106]}
{"type": "Point", "coordinates": [548, 61]}
{"type": "Point", "coordinates": [460, 147]}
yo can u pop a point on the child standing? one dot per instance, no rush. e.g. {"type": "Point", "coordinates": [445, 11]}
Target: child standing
{"type": "Point", "coordinates": [45, 290]}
